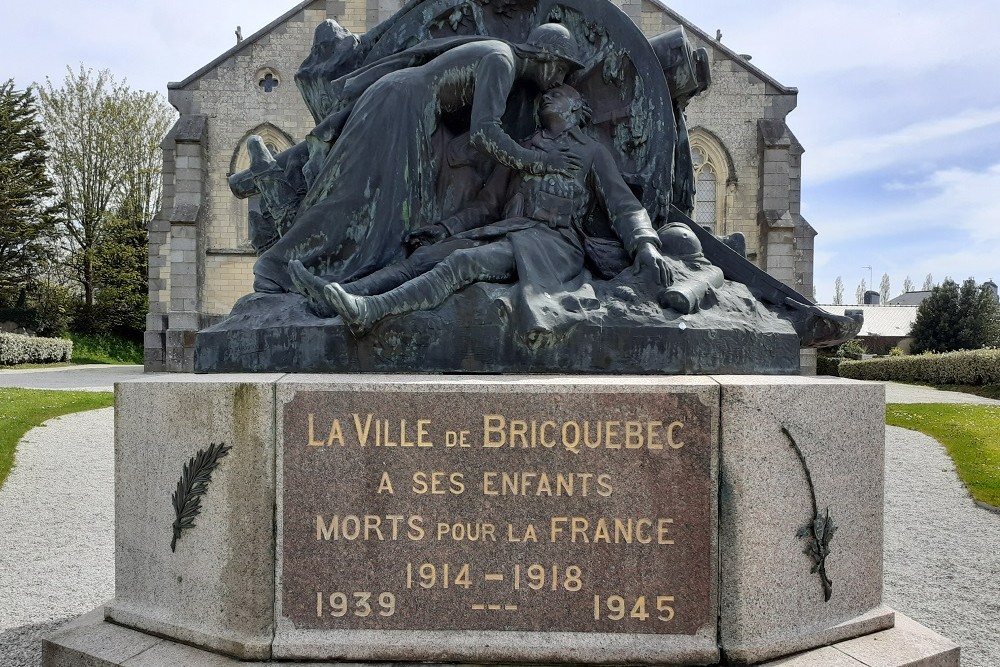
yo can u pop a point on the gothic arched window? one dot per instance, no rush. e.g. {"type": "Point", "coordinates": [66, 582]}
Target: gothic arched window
{"type": "Point", "coordinates": [712, 179]}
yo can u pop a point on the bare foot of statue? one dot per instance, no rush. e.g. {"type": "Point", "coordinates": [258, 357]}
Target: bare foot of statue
{"type": "Point", "coordinates": [354, 310]}
{"type": "Point", "coordinates": [311, 287]}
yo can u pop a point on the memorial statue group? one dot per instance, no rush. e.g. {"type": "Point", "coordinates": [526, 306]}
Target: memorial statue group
{"type": "Point", "coordinates": [410, 188]}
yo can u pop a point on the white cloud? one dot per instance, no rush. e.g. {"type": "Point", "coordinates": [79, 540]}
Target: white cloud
{"type": "Point", "coordinates": [947, 226]}
{"type": "Point", "coordinates": [870, 153]}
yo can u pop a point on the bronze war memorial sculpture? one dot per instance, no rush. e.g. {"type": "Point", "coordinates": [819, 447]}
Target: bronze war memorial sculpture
{"type": "Point", "coordinates": [500, 187]}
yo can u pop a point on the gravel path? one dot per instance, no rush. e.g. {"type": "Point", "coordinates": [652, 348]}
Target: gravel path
{"type": "Point", "coordinates": [910, 393]}
{"type": "Point", "coordinates": [91, 377]}
{"type": "Point", "coordinates": [942, 552]}
{"type": "Point", "coordinates": [57, 548]}
{"type": "Point", "coordinates": [57, 541]}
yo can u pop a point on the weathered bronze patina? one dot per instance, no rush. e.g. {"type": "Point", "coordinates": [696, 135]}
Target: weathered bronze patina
{"type": "Point", "coordinates": [534, 153]}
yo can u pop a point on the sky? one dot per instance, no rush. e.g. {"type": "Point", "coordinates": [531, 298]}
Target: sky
{"type": "Point", "coordinates": [898, 108]}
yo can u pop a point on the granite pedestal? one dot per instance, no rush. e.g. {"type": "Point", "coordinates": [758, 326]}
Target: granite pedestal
{"type": "Point", "coordinates": [688, 520]}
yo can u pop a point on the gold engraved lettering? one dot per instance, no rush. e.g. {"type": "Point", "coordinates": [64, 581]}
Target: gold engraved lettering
{"type": "Point", "coordinates": [368, 527]}
{"type": "Point", "coordinates": [313, 442]}
{"type": "Point", "coordinates": [674, 444]}
{"type": "Point", "coordinates": [599, 430]}
{"type": "Point", "coordinates": [555, 526]}
{"type": "Point", "coordinates": [416, 532]}
{"type": "Point", "coordinates": [350, 527]}
{"type": "Point", "coordinates": [436, 485]}
{"type": "Point", "coordinates": [519, 431]}
{"type": "Point", "coordinates": [529, 534]}
{"type": "Point", "coordinates": [526, 483]}
{"type": "Point", "coordinates": [456, 439]}
{"type": "Point", "coordinates": [373, 525]}
{"type": "Point", "coordinates": [543, 487]}
{"type": "Point", "coordinates": [640, 535]}
{"type": "Point", "coordinates": [611, 432]}
{"type": "Point", "coordinates": [363, 431]}
{"type": "Point", "coordinates": [546, 442]}
{"type": "Point", "coordinates": [385, 440]}
{"type": "Point", "coordinates": [661, 531]}
{"type": "Point", "coordinates": [601, 533]}
{"type": "Point", "coordinates": [466, 531]}
{"type": "Point", "coordinates": [633, 435]}
{"type": "Point", "coordinates": [488, 479]}
{"type": "Point", "coordinates": [422, 440]}
{"type": "Point", "coordinates": [335, 434]}
{"type": "Point", "coordinates": [385, 484]}
{"type": "Point", "coordinates": [564, 484]}
{"type": "Point", "coordinates": [578, 528]}
{"type": "Point", "coordinates": [494, 425]}
{"type": "Point", "coordinates": [623, 531]}
{"type": "Point", "coordinates": [652, 430]}
{"type": "Point", "coordinates": [604, 530]}
{"type": "Point", "coordinates": [324, 531]}
{"type": "Point", "coordinates": [571, 443]}
{"type": "Point", "coordinates": [604, 482]}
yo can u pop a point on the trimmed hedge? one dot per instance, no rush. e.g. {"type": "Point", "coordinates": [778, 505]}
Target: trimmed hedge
{"type": "Point", "coordinates": [828, 365]}
{"type": "Point", "coordinates": [19, 349]}
{"type": "Point", "coordinates": [970, 367]}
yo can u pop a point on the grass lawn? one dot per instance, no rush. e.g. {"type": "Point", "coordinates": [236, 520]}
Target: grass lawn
{"type": "Point", "coordinates": [970, 433]}
{"type": "Point", "coordinates": [24, 409]}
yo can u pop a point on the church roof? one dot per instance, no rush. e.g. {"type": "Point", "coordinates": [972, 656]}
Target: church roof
{"type": "Point", "coordinates": [677, 18]}
{"type": "Point", "coordinates": [910, 298]}
{"type": "Point", "coordinates": [728, 52]}
{"type": "Point", "coordinates": [246, 42]}
{"type": "Point", "coordinates": [886, 321]}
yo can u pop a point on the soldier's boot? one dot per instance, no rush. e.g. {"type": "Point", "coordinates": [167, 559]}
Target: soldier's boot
{"type": "Point", "coordinates": [424, 292]}
{"type": "Point", "coordinates": [381, 281]}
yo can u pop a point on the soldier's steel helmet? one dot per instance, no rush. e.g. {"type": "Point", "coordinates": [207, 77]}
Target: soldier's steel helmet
{"type": "Point", "coordinates": [555, 39]}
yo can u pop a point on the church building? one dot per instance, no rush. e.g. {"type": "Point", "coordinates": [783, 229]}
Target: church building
{"type": "Point", "coordinates": [747, 165]}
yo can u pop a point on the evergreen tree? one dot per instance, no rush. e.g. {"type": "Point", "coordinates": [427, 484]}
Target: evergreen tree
{"type": "Point", "coordinates": [956, 318]}
{"type": "Point", "coordinates": [26, 225]}
{"type": "Point", "coordinates": [884, 288]}
{"type": "Point", "coordinates": [838, 292]}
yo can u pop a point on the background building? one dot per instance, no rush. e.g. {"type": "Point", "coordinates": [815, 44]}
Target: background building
{"type": "Point", "coordinates": [200, 260]}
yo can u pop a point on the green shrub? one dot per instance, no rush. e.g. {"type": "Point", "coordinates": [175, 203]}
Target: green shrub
{"type": "Point", "coordinates": [828, 366]}
{"type": "Point", "coordinates": [105, 349]}
{"type": "Point", "coordinates": [896, 352]}
{"type": "Point", "coordinates": [852, 349]}
{"type": "Point", "coordinates": [968, 367]}
{"type": "Point", "coordinates": [18, 349]}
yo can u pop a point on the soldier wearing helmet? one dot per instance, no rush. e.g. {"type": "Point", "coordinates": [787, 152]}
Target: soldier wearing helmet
{"type": "Point", "coordinates": [359, 211]}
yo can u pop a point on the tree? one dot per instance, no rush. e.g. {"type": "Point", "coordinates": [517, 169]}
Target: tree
{"type": "Point", "coordinates": [860, 292]}
{"type": "Point", "coordinates": [907, 285]}
{"type": "Point", "coordinates": [954, 318]}
{"type": "Point", "coordinates": [106, 168]}
{"type": "Point", "coordinates": [26, 224]}
{"type": "Point", "coordinates": [838, 292]}
{"type": "Point", "coordinates": [884, 288]}
{"type": "Point", "coordinates": [928, 283]}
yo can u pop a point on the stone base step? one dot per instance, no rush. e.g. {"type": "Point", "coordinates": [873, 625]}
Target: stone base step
{"type": "Point", "coordinates": [90, 641]}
